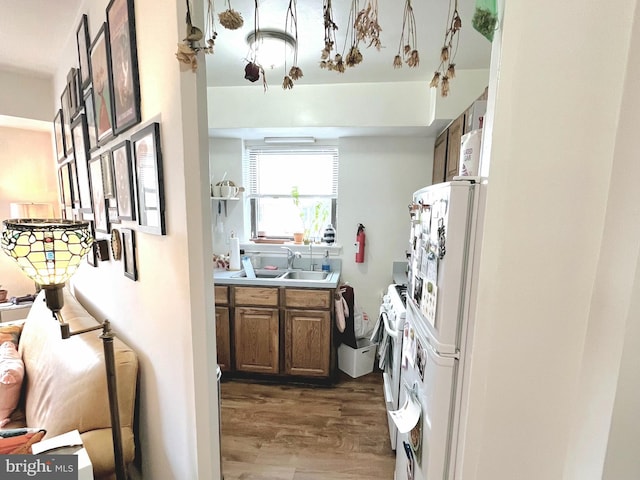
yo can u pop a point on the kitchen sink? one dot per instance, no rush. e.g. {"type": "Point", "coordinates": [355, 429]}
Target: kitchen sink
{"type": "Point", "coordinates": [261, 274]}
{"type": "Point", "coordinates": [304, 275]}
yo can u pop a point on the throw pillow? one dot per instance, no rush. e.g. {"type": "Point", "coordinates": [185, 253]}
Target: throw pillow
{"type": "Point", "coordinates": [11, 376]}
{"type": "Point", "coordinates": [10, 333]}
{"type": "Point", "coordinates": [19, 441]}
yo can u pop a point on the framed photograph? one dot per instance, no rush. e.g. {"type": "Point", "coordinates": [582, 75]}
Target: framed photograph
{"type": "Point", "coordinates": [73, 180]}
{"type": "Point", "coordinates": [74, 102]}
{"type": "Point", "coordinates": [98, 202]}
{"type": "Point", "coordinates": [82, 41]}
{"type": "Point", "coordinates": [57, 129]}
{"type": "Point", "coordinates": [129, 253]}
{"type": "Point", "coordinates": [147, 158]}
{"type": "Point", "coordinates": [92, 256]}
{"type": "Point", "coordinates": [107, 175]}
{"type": "Point", "coordinates": [102, 88]}
{"type": "Point", "coordinates": [124, 64]}
{"type": "Point", "coordinates": [80, 137]}
{"type": "Point", "coordinates": [65, 101]}
{"type": "Point", "coordinates": [123, 176]}
{"type": "Point", "coordinates": [91, 120]}
{"type": "Point", "coordinates": [64, 177]}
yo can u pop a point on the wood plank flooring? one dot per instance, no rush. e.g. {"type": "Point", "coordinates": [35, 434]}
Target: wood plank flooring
{"type": "Point", "coordinates": [292, 432]}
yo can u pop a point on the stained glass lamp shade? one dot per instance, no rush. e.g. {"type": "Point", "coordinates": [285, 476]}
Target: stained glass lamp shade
{"type": "Point", "coordinates": [48, 251]}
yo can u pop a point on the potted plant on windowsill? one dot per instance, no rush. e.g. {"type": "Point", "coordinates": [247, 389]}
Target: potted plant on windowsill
{"type": "Point", "coordinates": [311, 224]}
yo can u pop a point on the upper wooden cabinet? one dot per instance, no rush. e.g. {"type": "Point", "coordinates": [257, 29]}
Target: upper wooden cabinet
{"type": "Point", "coordinates": [453, 147]}
{"type": "Point", "coordinates": [446, 149]}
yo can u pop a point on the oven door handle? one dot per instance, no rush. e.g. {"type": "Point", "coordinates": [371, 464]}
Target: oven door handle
{"type": "Point", "coordinates": [387, 327]}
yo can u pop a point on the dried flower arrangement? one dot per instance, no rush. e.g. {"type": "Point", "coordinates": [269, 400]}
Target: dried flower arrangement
{"type": "Point", "coordinates": [330, 28]}
{"type": "Point", "coordinates": [353, 56]}
{"type": "Point", "coordinates": [230, 18]}
{"type": "Point", "coordinates": [408, 40]}
{"type": "Point", "coordinates": [253, 71]}
{"type": "Point", "coordinates": [447, 68]}
{"type": "Point", "coordinates": [367, 26]}
{"type": "Point", "coordinates": [291, 20]}
{"type": "Point", "coordinates": [210, 27]}
{"type": "Point", "coordinates": [189, 47]}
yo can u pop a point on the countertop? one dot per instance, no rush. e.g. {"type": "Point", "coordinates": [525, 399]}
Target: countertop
{"type": "Point", "coordinates": [226, 277]}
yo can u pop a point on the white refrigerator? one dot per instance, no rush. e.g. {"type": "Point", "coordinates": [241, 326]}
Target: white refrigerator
{"type": "Point", "coordinates": [437, 335]}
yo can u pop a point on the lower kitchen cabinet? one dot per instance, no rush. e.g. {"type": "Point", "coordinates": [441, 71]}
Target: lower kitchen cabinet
{"type": "Point", "coordinates": [307, 342]}
{"type": "Point", "coordinates": [223, 328]}
{"type": "Point", "coordinates": [256, 332]}
{"type": "Point", "coordinates": [223, 339]}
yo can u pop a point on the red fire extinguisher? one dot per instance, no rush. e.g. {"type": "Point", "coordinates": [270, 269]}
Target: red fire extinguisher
{"type": "Point", "coordinates": [360, 237]}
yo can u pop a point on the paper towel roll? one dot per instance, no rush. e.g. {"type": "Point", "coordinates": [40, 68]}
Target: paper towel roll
{"type": "Point", "coordinates": [234, 253]}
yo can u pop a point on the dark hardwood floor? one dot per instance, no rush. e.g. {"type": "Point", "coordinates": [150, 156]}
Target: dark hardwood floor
{"type": "Point", "coordinates": [293, 432]}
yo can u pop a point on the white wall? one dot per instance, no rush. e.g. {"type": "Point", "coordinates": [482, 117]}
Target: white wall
{"type": "Point", "coordinates": [560, 249]}
{"type": "Point", "coordinates": [167, 315]}
{"type": "Point", "coordinates": [377, 176]}
{"type": "Point", "coordinates": [28, 175]}
{"type": "Point", "coordinates": [27, 95]}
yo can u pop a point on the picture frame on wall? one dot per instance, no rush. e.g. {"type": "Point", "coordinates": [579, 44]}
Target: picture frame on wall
{"type": "Point", "coordinates": [100, 64]}
{"type": "Point", "coordinates": [59, 136]}
{"type": "Point", "coordinates": [64, 177]}
{"type": "Point", "coordinates": [124, 64]}
{"type": "Point", "coordinates": [73, 180]}
{"type": "Point", "coordinates": [123, 176]}
{"type": "Point", "coordinates": [91, 119]}
{"type": "Point", "coordinates": [107, 175]}
{"type": "Point", "coordinates": [129, 253]}
{"type": "Point", "coordinates": [65, 102]}
{"type": "Point", "coordinates": [74, 102]}
{"type": "Point", "coordinates": [98, 202]}
{"type": "Point", "coordinates": [147, 158]}
{"type": "Point", "coordinates": [80, 136]}
{"type": "Point", "coordinates": [82, 42]}
{"type": "Point", "coordinates": [92, 255]}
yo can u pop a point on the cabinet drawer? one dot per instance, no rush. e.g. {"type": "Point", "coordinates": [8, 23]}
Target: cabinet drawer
{"type": "Point", "coordinates": [304, 298]}
{"type": "Point", "coordinates": [267, 297]}
{"type": "Point", "coordinates": [221, 294]}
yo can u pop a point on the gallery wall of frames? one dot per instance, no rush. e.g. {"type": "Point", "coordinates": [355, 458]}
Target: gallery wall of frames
{"type": "Point", "coordinates": [109, 166]}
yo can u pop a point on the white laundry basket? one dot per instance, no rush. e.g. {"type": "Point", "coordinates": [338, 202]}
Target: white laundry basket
{"type": "Point", "coordinates": [356, 362]}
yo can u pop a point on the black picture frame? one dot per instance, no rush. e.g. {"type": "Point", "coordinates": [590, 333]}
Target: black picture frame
{"type": "Point", "coordinates": [65, 102]}
{"type": "Point", "coordinates": [59, 136]}
{"type": "Point", "coordinates": [92, 255]}
{"type": "Point", "coordinates": [124, 64]}
{"type": "Point", "coordinates": [99, 59]}
{"type": "Point", "coordinates": [80, 136]}
{"type": "Point", "coordinates": [64, 177]}
{"type": "Point", "coordinates": [73, 180]}
{"type": "Point", "coordinates": [98, 202]}
{"type": "Point", "coordinates": [72, 87]}
{"type": "Point", "coordinates": [91, 119]}
{"type": "Point", "coordinates": [147, 158]}
{"type": "Point", "coordinates": [82, 42]}
{"type": "Point", "coordinates": [129, 253]}
{"type": "Point", "coordinates": [123, 176]}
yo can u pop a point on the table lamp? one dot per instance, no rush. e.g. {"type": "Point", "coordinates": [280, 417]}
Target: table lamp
{"type": "Point", "coordinates": [49, 251]}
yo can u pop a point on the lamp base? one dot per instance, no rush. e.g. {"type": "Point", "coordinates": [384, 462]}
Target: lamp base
{"type": "Point", "coordinates": [54, 297]}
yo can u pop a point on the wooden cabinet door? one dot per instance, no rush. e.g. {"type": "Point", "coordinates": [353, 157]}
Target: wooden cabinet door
{"type": "Point", "coordinates": [440, 158]}
{"type": "Point", "coordinates": [307, 342]}
{"type": "Point", "coordinates": [223, 339]}
{"type": "Point", "coordinates": [256, 339]}
{"type": "Point", "coordinates": [453, 147]}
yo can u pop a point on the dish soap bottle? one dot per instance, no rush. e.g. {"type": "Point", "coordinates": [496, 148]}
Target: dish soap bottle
{"type": "Point", "coordinates": [326, 267]}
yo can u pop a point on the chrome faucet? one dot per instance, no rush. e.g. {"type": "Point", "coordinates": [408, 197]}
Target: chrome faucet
{"type": "Point", "coordinates": [291, 256]}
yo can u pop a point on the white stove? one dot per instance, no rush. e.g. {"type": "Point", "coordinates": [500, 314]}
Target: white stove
{"type": "Point", "coordinates": [392, 315]}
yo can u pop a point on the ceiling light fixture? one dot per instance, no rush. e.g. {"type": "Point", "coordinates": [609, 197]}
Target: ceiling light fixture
{"type": "Point", "coordinates": [289, 140]}
{"type": "Point", "coordinates": [271, 47]}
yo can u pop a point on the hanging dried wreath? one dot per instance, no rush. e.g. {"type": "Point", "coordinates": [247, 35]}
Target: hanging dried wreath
{"type": "Point", "coordinates": [230, 18]}
{"type": "Point", "coordinates": [189, 47]}
{"type": "Point", "coordinates": [447, 68]}
{"type": "Point", "coordinates": [408, 40]}
{"type": "Point", "coordinates": [330, 28]}
{"type": "Point", "coordinates": [210, 27]}
{"type": "Point", "coordinates": [291, 21]}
